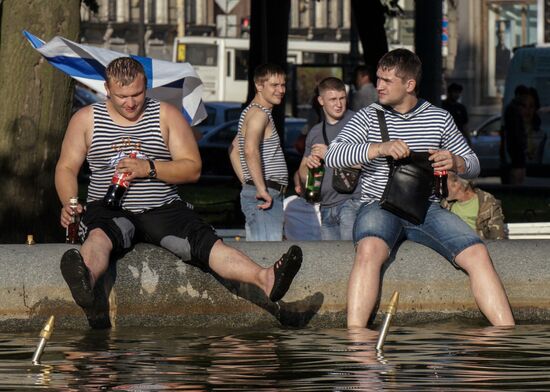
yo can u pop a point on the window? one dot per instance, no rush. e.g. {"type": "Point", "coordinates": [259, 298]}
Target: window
{"type": "Point", "coordinates": [111, 11]}
{"type": "Point", "coordinates": [152, 11]}
{"type": "Point", "coordinates": [510, 24]}
{"type": "Point", "coordinates": [211, 116]}
{"type": "Point", "coordinates": [293, 129]}
{"type": "Point", "coordinates": [491, 129]}
{"type": "Point", "coordinates": [201, 54]}
{"type": "Point", "coordinates": [225, 135]}
{"type": "Point", "coordinates": [172, 12]}
{"type": "Point", "coordinates": [232, 114]}
{"type": "Point", "coordinates": [241, 64]}
{"type": "Point", "coordinates": [133, 11]}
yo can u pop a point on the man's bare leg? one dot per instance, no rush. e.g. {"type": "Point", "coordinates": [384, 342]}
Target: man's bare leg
{"type": "Point", "coordinates": [486, 286]}
{"type": "Point", "coordinates": [81, 270]}
{"type": "Point", "coordinates": [364, 281]}
{"type": "Point", "coordinates": [232, 264]}
{"type": "Point", "coordinates": [96, 251]}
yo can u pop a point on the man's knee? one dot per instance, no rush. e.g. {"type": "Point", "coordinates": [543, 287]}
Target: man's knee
{"type": "Point", "coordinates": [372, 251]}
{"type": "Point", "coordinates": [97, 235]}
{"type": "Point", "coordinates": [476, 255]}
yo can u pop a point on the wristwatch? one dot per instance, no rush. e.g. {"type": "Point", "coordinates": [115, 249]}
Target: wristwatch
{"type": "Point", "coordinates": [152, 169]}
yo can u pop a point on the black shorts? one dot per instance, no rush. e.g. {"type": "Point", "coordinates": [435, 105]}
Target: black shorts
{"type": "Point", "coordinates": [174, 226]}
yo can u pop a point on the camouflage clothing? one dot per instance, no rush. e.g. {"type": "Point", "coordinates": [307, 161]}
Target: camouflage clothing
{"type": "Point", "coordinates": [490, 219]}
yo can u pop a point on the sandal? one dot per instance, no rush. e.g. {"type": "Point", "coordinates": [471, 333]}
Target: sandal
{"type": "Point", "coordinates": [98, 313]}
{"type": "Point", "coordinates": [77, 276]}
{"type": "Point", "coordinates": [285, 270]}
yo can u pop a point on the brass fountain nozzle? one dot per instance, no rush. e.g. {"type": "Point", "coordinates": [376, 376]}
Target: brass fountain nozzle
{"type": "Point", "coordinates": [390, 312]}
{"type": "Point", "coordinates": [46, 332]}
{"type": "Point", "coordinates": [392, 307]}
{"type": "Point", "coordinates": [45, 335]}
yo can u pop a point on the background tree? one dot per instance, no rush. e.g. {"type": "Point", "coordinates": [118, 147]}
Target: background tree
{"type": "Point", "coordinates": [35, 106]}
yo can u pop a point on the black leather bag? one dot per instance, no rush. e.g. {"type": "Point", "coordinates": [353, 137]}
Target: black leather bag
{"type": "Point", "coordinates": [344, 180]}
{"type": "Point", "coordinates": [410, 183]}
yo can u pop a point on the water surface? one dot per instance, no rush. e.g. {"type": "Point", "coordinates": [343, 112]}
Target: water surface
{"type": "Point", "coordinates": [449, 356]}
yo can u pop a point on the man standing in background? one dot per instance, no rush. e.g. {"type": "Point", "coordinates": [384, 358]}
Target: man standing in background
{"type": "Point", "coordinates": [338, 210]}
{"type": "Point", "coordinates": [365, 91]}
{"type": "Point", "coordinates": [263, 166]}
{"type": "Point", "coordinates": [453, 105]}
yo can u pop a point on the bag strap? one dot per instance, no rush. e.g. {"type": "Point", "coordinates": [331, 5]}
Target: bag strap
{"type": "Point", "coordinates": [325, 132]}
{"type": "Point", "coordinates": [383, 126]}
{"type": "Point", "coordinates": [384, 133]}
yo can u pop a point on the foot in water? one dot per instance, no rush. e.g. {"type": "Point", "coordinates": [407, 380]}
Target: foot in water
{"type": "Point", "coordinates": [93, 301]}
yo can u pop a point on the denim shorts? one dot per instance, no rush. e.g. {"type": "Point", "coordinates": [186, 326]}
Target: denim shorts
{"type": "Point", "coordinates": [337, 221]}
{"type": "Point", "coordinates": [441, 231]}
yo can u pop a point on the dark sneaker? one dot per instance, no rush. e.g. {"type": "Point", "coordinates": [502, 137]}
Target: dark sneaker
{"type": "Point", "coordinates": [285, 270]}
{"type": "Point", "coordinates": [77, 276]}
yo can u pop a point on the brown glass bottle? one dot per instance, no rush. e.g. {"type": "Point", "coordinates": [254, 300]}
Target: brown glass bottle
{"type": "Point", "coordinates": [71, 233]}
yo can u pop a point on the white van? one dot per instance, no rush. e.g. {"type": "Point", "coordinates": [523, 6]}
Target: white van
{"type": "Point", "coordinates": [530, 66]}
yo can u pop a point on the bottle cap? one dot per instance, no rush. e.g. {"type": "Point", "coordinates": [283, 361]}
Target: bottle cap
{"type": "Point", "coordinates": [30, 239]}
{"type": "Point", "coordinates": [73, 201]}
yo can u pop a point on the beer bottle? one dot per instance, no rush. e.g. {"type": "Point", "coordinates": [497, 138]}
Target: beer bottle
{"type": "Point", "coordinates": [117, 189]}
{"type": "Point", "coordinates": [313, 183]}
{"type": "Point", "coordinates": [71, 233]}
{"type": "Point", "coordinates": [440, 184]}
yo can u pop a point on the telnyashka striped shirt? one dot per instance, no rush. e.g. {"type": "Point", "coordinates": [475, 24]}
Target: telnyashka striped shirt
{"type": "Point", "coordinates": [112, 142]}
{"type": "Point", "coordinates": [424, 127]}
{"type": "Point", "coordinates": [271, 154]}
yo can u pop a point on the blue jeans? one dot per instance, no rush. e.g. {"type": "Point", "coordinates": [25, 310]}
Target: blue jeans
{"type": "Point", "coordinates": [337, 221]}
{"type": "Point", "coordinates": [441, 231]}
{"type": "Point", "coordinates": [262, 225]}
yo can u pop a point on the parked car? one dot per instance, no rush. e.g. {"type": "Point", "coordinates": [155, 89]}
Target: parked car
{"type": "Point", "coordinates": [83, 97]}
{"type": "Point", "coordinates": [214, 146]}
{"type": "Point", "coordinates": [486, 142]}
{"type": "Point", "coordinates": [219, 113]}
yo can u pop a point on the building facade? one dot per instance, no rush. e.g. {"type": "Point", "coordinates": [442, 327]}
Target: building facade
{"type": "Point", "coordinates": [478, 36]}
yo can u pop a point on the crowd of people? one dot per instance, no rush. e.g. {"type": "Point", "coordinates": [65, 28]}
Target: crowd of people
{"type": "Point", "coordinates": [106, 134]}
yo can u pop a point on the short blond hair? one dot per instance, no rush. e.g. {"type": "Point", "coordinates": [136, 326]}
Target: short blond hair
{"type": "Point", "coordinates": [124, 70]}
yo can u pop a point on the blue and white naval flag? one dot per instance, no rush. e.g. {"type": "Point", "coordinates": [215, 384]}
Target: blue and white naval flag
{"type": "Point", "coordinates": [176, 83]}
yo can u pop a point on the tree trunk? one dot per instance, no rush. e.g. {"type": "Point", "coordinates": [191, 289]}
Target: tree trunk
{"type": "Point", "coordinates": [35, 106]}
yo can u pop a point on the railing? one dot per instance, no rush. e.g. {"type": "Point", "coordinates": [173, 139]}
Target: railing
{"type": "Point", "coordinates": [531, 230]}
